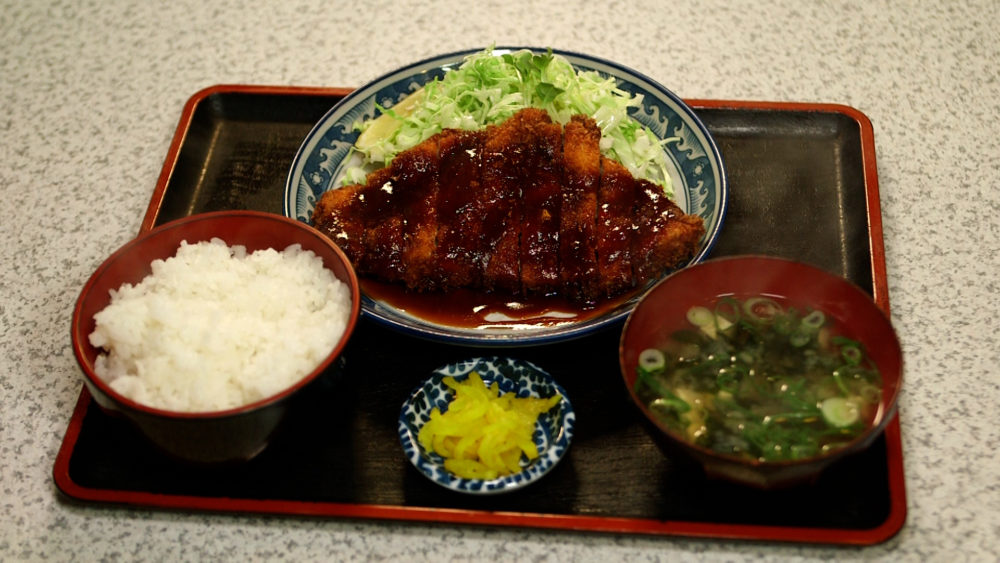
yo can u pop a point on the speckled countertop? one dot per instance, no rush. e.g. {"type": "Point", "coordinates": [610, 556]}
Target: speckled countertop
{"type": "Point", "coordinates": [91, 92]}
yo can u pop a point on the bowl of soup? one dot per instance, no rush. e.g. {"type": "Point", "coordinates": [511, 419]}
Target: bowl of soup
{"type": "Point", "coordinates": [763, 370]}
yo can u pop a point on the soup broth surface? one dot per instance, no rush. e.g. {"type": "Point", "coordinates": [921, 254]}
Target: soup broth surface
{"type": "Point", "coordinates": [761, 378]}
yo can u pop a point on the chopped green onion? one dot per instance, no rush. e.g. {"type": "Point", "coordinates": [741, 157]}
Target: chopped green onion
{"type": "Point", "coordinates": [844, 341]}
{"type": "Point", "coordinates": [840, 412]}
{"type": "Point", "coordinates": [799, 338]}
{"type": "Point", "coordinates": [814, 320]}
{"type": "Point", "coordinates": [668, 397]}
{"type": "Point", "coordinates": [761, 309]}
{"type": "Point", "coordinates": [784, 324]}
{"type": "Point", "coordinates": [851, 354]}
{"type": "Point", "coordinates": [794, 415]}
{"type": "Point", "coordinates": [728, 380]}
{"type": "Point", "coordinates": [803, 451]}
{"type": "Point", "coordinates": [839, 380]}
{"type": "Point", "coordinates": [700, 317]}
{"type": "Point", "coordinates": [651, 360]}
{"type": "Point", "coordinates": [673, 403]}
{"type": "Point", "coordinates": [728, 310]}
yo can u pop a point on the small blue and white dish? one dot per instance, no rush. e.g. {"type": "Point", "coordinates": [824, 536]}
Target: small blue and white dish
{"type": "Point", "coordinates": [552, 435]}
{"type": "Point", "coordinates": [697, 175]}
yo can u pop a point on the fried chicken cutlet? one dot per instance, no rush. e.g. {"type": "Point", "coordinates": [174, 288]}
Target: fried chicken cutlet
{"type": "Point", "coordinates": [526, 207]}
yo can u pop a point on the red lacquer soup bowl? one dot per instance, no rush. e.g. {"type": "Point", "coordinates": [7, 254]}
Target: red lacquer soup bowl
{"type": "Point", "coordinates": [729, 289]}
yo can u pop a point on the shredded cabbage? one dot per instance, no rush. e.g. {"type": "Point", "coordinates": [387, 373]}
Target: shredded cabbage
{"type": "Point", "coordinates": [487, 89]}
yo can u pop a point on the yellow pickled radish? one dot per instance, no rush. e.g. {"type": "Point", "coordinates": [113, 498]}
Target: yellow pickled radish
{"type": "Point", "coordinates": [484, 434]}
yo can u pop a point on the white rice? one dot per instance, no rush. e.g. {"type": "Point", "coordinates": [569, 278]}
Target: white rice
{"type": "Point", "coordinates": [214, 328]}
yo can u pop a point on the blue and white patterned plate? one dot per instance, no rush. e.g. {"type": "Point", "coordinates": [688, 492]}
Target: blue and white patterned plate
{"type": "Point", "coordinates": [698, 176]}
{"type": "Point", "coordinates": [553, 430]}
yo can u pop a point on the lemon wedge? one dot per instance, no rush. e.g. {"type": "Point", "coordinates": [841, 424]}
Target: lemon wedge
{"type": "Point", "coordinates": [383, 126]}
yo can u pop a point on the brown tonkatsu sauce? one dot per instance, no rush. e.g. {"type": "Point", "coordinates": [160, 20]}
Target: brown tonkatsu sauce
{"type": "Point", "coordinates": [469, 309]}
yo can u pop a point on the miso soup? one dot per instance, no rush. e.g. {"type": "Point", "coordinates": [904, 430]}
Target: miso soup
{"type": "Point", "coordinates": [760, 378]}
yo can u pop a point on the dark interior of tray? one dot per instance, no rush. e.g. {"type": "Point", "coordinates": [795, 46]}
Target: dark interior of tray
{"type": "Point", "coordinates": [796, 190]}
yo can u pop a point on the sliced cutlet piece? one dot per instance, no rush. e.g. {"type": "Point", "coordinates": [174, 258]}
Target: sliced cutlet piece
{"type": "Point", "coordinates": [414, 185]}
{"type": "Point", "coordinates": [577, 245]}
{"type": "Point", "coordinates": [664, 236]}
{"type": "Point", "coordinates": [339, 215]}
{"type": "Point", "coordinates": [541, 192]}
{"type": "Point", "coordinates": [459, 219]}
{"type": "Point", "coordinates": [396, 208]}
{"type": "Point", "coordinates": [383, 238]}
{"type": "Point", "coordinates": [507, 168]}
{"type": "Point", "coordinates": [615, 216]}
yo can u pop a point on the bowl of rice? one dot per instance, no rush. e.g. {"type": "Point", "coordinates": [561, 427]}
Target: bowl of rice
{"type": "Point", "coordinates": [202, 331]}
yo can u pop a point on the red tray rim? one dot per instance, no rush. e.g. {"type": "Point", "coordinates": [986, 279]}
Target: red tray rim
{"type": "Point", "coordinates": [897, 489]}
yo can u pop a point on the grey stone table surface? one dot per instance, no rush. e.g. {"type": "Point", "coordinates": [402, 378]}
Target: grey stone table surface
{"type": "Point", "coordinates": [91, 92]}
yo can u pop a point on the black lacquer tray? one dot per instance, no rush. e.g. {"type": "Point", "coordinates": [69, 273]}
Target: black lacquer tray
{"type": "Point", "coordinates": [803, 185]}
